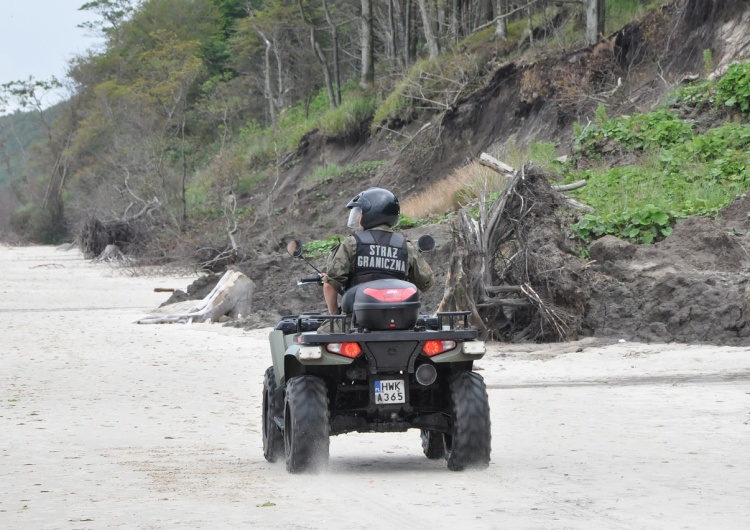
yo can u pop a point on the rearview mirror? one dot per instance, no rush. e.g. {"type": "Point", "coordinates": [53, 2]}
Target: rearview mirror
{"type": "Point", "coordinates": [294, 248]}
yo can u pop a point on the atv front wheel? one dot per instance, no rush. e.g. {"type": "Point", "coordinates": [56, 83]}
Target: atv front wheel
{"type": "Point", "coordinates": [433, 444]}
{"type": "Point", "coordinates": [468, 443]}
{"type": "Point", "coordinates": [306, 429]}
{"type": "Point", "coordinates": [273, 440]}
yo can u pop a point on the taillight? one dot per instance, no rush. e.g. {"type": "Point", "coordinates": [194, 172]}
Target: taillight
{"type": "Point", "coordinates": [434, 347]}
{"type": "Point", "coordinates": [390, 295]}
{"type": "Point", "coordinates": [347, 349]}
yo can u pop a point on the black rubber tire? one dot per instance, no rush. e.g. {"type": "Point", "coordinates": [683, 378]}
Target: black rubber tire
{"type": "Point", "coordinates": [306, 424]}
{"type": "Point", "coordinates": [433, 444]}
{"type": "Point", "coordinates": [273, 438]}
{"type": "Point", "coordinates": [468, 445]}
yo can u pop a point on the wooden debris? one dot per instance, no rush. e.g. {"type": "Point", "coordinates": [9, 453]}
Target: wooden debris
{"type": "Point", "coordinates": [510, 268]}
{"type": "Point", "coordinates": [231, 298]}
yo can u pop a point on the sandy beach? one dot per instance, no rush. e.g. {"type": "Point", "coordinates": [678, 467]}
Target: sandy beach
{"type": "Point", "coordinates": [108, 424]}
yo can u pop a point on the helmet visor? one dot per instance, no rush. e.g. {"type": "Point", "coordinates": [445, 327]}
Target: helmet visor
{"type": "Point", "coordinates": [354, 216]}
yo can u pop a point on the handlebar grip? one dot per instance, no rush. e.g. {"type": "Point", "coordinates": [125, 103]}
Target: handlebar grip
{"type": "Point", "coordinates": [309, 279]}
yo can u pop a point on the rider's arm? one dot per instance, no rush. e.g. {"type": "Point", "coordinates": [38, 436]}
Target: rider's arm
{"type": "Point", "coordinates": [339, 265]}
{"type": "Point", "coordinates": [419, 271]}
{"type": "Point", "coordinates": [331, 296]}
{"type": "Point", "coordinates": [338, 273]}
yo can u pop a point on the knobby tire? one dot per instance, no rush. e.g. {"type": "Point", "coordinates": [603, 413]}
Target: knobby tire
{"type": "Point", "coordinates": [273, 439]}
{"type": "Point", "coordinates": [469, 443]}
{"type": "Point", "coordinates": [306, 424]}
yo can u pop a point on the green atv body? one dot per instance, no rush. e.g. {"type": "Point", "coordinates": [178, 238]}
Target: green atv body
{"type": "Point", "coordinates": [417, 376]}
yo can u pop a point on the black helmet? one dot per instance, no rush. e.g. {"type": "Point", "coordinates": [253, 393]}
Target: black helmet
{"type": "Point", "coordinates": [378, 206]}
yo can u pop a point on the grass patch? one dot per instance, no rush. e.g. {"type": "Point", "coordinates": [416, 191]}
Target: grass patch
{"type": "Point", "coordinates": [334, 171]}
{"type": "Point", "coordinates": [347, 119]}
{"type": "Point", "coordinates": [461, 187]}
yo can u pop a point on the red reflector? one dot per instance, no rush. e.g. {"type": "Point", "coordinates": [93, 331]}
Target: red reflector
{"type": "Point", "coordinates": [390, 295]}
{"type": "Point", "coordinates": [350, 349]}
{"type": "Point", "coordinates": [347, 349]}
{"type": "Point", "coordinates": [433, 347]}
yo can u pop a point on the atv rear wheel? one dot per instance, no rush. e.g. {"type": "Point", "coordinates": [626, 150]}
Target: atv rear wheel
{"type": "Point", "coordinates": [468, 444]}
{"type": "Point", "coordinates": [433, 444]}
{"type": "Point", "coordinates": [306, 424]}
{"type": "Point", "coordinates": [273, 439]}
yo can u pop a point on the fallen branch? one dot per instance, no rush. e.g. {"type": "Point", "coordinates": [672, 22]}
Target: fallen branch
{"type": "Point", "coordinates": [579, 205]}
{"type": "Point", "coordinates": [570, 187]}
{"type": "Point", "coordinates": [493, 163]}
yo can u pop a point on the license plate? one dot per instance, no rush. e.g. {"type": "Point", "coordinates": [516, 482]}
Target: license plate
{"type": "Point", "coordinates": [389, 391]}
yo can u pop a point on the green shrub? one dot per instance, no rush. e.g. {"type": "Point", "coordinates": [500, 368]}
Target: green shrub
{"type": "Point", "coordinates": [733, 89]}
{"type": "Point", "coordinates": [44, 226]}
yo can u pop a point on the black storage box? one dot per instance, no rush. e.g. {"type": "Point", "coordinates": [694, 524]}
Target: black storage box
{"type": "Point", "coordinates": [383, 305]}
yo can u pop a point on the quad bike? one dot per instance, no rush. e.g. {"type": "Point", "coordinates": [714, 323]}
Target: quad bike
{"type": "Point", "coordinates": [382, 368]}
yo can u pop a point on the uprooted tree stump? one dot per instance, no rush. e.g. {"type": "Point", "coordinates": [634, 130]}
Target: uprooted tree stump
{"type": "Point", "coordinates": [514, 267]}
{"type": "Point", "coordinates": [96, 235]}
{"type": "Point", "coordinates": [231, 298]}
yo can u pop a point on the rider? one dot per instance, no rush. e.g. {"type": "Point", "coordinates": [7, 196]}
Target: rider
{"type": "Point", "coordinates": [374, 251]}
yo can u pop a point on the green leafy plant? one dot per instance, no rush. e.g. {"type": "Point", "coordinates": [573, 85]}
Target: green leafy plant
{"type": "Point", "coordinates": [660, 129]}
{"type": "Point", "coordinates": [700, 95]}
{"type": "Point", "coordinates": [733, 89]}
{"type": "Point", "coordinates": [320, 248]}
{"type": "Point", "coordinates": [646, 225]}
{"type": "Point", "coordinates": [405, 222]}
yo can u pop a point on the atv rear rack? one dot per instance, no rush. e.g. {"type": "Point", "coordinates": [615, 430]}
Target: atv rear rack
{"type": "Point", "coordinates": [444, 325]}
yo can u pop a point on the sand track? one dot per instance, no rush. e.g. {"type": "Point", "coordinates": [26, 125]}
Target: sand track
{"type": "Point", "coordinates": [108, 424]}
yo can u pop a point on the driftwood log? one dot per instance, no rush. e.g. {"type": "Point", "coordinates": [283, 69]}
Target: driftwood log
{"type": "Point", "coordinates": [513, 266]}
{"type": "Point", "coordinates": [231, 298]}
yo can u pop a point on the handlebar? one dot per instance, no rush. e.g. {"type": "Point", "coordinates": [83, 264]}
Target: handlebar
{"type": "Point", "coordinates": [310, 279]}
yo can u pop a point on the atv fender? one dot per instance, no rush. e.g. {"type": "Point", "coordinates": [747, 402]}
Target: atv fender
{"type": "Point", "coordinates": [289, 362]}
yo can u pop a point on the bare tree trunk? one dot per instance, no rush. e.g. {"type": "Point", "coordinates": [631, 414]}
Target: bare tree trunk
{"type": "Point", "coordinates": [183, 196]}
{"type": "Point", "coordinates": [428, 22]}
{"type": "Point", "coordinates": [484, 12]}
{"type": "Point", "coordinates": [335, 43]}
{"type": "Point", "coordinates": [269, 92]}
{"type": "Point", "coordinates": [501, 30]}
{"type": "Point", "coordinates": [595, 12]}
{"type": "Point", "coordinates": [321, 57]}
{"type": "Point", "coordinates": [367, 77]}
{"type": "Point", "coordinates": [455, 31]}
{"type": "Point", "coordinates": [393, 54]}
{"type": "Point", "coordinates": [409, 47]}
